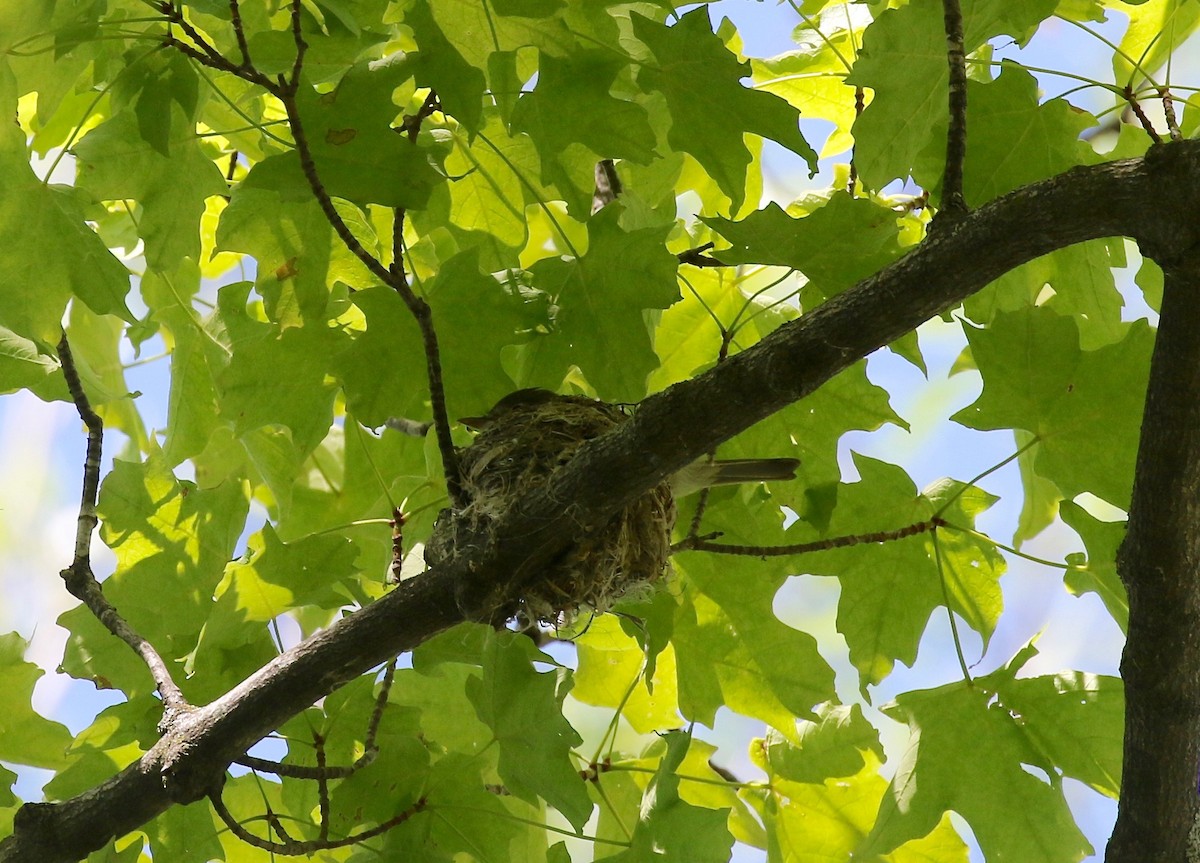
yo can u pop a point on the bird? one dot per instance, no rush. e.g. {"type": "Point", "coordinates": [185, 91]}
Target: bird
{"type": "Point", "coordinates": [698, 475]}
{"type": "Point", "coordinates": [519, 444]}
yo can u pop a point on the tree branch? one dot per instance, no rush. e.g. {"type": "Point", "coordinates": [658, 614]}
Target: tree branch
{"type": "Point", "coordinates": [953, 202]}
{"type": "Point", "coordinates": [80, 581]}
{"type": "Point", "coordinates": [1158, 562]}
{"type": "Point", "coordinates": [1152, 199]}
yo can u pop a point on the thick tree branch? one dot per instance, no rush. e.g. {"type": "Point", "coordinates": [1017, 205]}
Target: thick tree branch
{"type": "Point", "coordinates": [1151, 199]}
{"type": "Point", "coordinates": [1159, 562]}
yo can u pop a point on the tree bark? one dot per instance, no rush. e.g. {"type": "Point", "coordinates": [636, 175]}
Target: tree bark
{"type": "Point", "coordinates": [1152, 199]}
{"type": "Point", "coordinates": [1158, 563]}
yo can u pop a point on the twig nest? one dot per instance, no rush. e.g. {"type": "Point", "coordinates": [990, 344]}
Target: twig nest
{"type": "Point", "coordinates": [520, 450]}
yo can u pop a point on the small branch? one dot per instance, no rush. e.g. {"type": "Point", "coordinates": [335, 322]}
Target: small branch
{"type": "Point", "coordinates": [322, 788]}
{"type": "Point", "coordinates": [397, 267]}
{"type": "Point", "coordinates": [697, 258]}
{"type": "Point", "coordinates": [285, 89]}
{"type": "Point", "coordinates": [291, 847]}
{"type": "Point", "coordinates": [174, 15]}
{"type": "Point", "coordinates": [704, 543]}
{"type": "Point", "coordinates": [203, 51]}
{"type": "Point", "coordinates": [411, 124]}
{"type": "Point", "coordinates": [79, 578]}
{"type": "Point", "coordinates": [437, 393]}
{"type": "Point", "coordinates": [1168, 103]}
{"type": "Point", "coordinates": [608, 185]}
{"type": "Point", "coordinates": [370, 747]}
{"type": "Point", "coordinates": [860, 105]}
{"type": "Point", "coordinates": [953, 202]}
{"type": "Point", "coordinates": [298, 771]}
{"type": "Point", "coordinates": [292, 83]}
{"type": "Point", "coordinates": [239, 31]}
{"type": "Point", "coordinates": [404, 425]}
{"type": "Point", "coordinates": [702, 503]}
{"type": "Point", "coordinates": [1136, 107]}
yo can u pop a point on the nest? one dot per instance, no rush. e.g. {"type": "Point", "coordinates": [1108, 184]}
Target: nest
{"type": "Point", "coordinates": [519, 451]}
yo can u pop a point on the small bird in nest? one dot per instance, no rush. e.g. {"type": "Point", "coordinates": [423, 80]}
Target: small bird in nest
{"type": "Point", "coordinates": [521, 441]}
{"type": "Point", "coordinates": [696, 476]}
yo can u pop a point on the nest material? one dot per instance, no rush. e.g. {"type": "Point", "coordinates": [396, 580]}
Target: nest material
{"type": "Point", "coordinates": [517, 452]}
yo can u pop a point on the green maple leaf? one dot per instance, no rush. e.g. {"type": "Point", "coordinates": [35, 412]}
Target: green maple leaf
{"type": "Point", "coordinates": [22, 362]}
{"type": "Point", "coordinates": [197, 358]}
{"type": "Point", "coordinates": [383, 369]}
{"type": "Point", "coordinates": [728, 640]}
{"type": "Point", "coordinates": [359, 156]}
{"type": "Point", "coordinates": [701, 79]}
{"type": "Point", "coordinates": [811, 821]}
{"type": "Point", "coordinates": [601, 298]}
{"type": "Point", "coordinates": [26, 737]}
{"type": "Point", "coordinates": [1086, 406]}
{"type": "Point", "coordinates": [523, 708]}
{"type": "Point", "coordinates": [611, 673]}
{"type": "Point", "coordinates": [487, 193]}
{"type": "Point", "coordinates": [833, 745]}
{"type": "Point", "coordinates": [115, 163]}
{"type": "Point", "coordinates": [1015, 138]}
{"type": "Point", "coordinates": [572, 103]}
{"type": "Point", "coordinates": [186, 833]}
{"type": "Point", "coordinates": [1081, 277]}
{"type": "Point", "coordinates": [172, 541]}
{"type": "Point", "coordinates": [117, 736]}
{"type": "Point", "coordinates": [49, 253]}
{"type": "Point", "coordinates": [991, 728]}
{"type": "Point", "coordinates": [1101, 539]}
{"type": "Point", "coordinates": [272, 578]}
{"type": "Point", "coordinates": [299, 256]}
{"type": "Point", "coordinates": [441, 66]}
{"type": "Point", "coordinates": [299, 397]}
{"type": "Point", "coordinates": [889, 593]}
{"type": "Point", "coordinates": [835, 245]}
{"type": "Point", "coordinates": [463, 44]}
{"type": "Point", "coordinates": [671, 830]}
{"type": "Point", "coordinates": [909, 111]}
{"type": "Point", "coordinates": [477, 317]}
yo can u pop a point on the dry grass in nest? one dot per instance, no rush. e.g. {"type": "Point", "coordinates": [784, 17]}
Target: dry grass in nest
{"type": "Point", "coordinates": [519, 451]}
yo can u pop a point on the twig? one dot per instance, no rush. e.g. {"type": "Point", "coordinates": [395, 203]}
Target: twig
{"type": "Point", "coordinates": [608, 185]}
{"type": "Point", "coordinates": [397, 563]}
{"type": "Point", "coordinates": [293, 83]}
{"type": "Point", "coordinates": [322, 788]}
{"type": "Point", "coordinates": [203, 51]}
{"type": "Point", "coordinates": [1168, 103]}
{"type": "Point", "coordinates": [291, 847]}
{"type": "Point", "coordinates": [80, 580]}
{"type": "Point", "coordinates": [404, 425]}
{"type": "Point", "coordinates": [705, 543]}
{"type": "Point", "coordinates": [411, 124]}
{"type": "Point", "coordinates": [697, 258]}
{"type": "Point", "coordinates": [953, 201]}
{"type": "Point", "coordinates": [1136, 107]}
{"type": "Point", "coordinates": [370, 747]}
{"type": "Point", "coordinates": [702, 503]}
{"type": "Point", "coordinates": [860, 105]}
{"type": "Point", "coordinates": [235, 16]}
{"type": "Point", "coordinates": [420, 310]}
